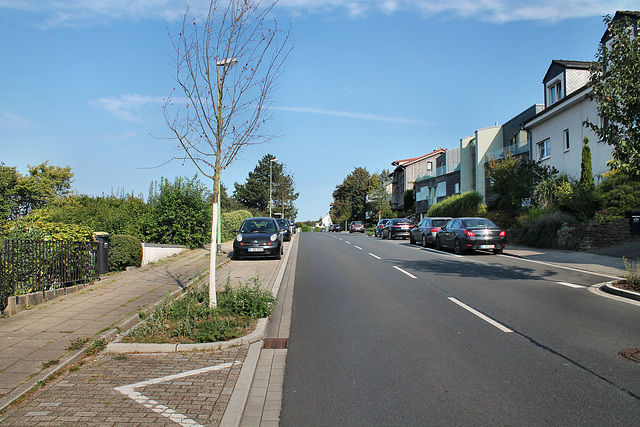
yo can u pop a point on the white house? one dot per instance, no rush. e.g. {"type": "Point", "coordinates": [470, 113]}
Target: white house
{"type": "Point", "coordinates": [557, 132]}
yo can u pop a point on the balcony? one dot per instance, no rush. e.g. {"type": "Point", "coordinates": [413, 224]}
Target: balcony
{"type": "Point", "coordinates": [519, 148]}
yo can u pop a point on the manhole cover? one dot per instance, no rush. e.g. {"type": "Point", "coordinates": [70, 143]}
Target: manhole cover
{"type": "Point", "coordinates": [275, 343]}
{"type": "Point", "coordinates": [632, 354]}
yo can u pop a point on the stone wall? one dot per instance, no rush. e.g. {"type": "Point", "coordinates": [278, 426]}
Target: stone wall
{"type": "Point", "coordinates": [595, 235]}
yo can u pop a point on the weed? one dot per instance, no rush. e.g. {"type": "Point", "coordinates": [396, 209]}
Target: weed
{"type": "Point", "coordinates": [632, 274]}
{"type": "Point", "coordinates": [78, 343]}
{"type": "Point", "coordinates": [96, 347]}
{"type": "Point", "coordinates": [120, 357]}
{"type": "Point", "coordinates": [50, 363]}
{"type": "Point", "coordinates": [74, 368]}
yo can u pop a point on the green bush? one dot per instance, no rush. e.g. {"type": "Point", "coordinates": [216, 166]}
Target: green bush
{"type": "Point", "coordinates": [617, 195]}
{"type": "Point", "coordinates": [542, 232]}
{"type": "Point", "coordinates": [124, 251]}
{"type": "Point", "coordinates": [246, 300]}
{"type": "Point", "coordinates": [232, 221]}
{"type": "Point", "coordinates": [467, 204]}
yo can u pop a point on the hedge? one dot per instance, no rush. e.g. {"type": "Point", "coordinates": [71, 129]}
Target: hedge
{"type": "Point", "coordinates": [460, 205]}
{"type": "Point", "coordinates": [124, 251]}
{"type": "Point", "coordinates": [232, 221]}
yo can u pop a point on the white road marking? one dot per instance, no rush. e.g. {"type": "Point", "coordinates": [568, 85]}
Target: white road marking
{"type": "Point", "coordinates": [347, 242]}
{"type": "Point", "coordinates": [182, 420]}
{"type": "Point", "coordinates": [480, 315]}
{"type": "Point", "coordinates": [405, 272]}
{"type": "Point", "coordinates": [357, 247]}
{"type": "Point", "coordinates": [375, 256]}
{"type": "Point", "coordinates": [571, 285]}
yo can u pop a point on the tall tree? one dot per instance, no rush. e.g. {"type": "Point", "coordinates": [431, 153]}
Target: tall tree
{"type": "Point", "coordinates": [254, 193]}
{"type": "Point", "coordinates": [8, 199]}
{"type": "Point", "coordinates": [378, 196]}
{"type": "Point", "coordinates": [615, 79]}
{"type": "Point", "coordinates": [224, 107]}
{"type": "Point", "coordinates": [586, 169]}
{"type": "Point", "coordinates": [350, 197]}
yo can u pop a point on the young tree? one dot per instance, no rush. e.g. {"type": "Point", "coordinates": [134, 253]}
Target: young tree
{"type": "Point", "coordinates": [616, 88]}
{"type": "Point", "coordinates": [224, 107]}
{"type": "Point", "coordinates": [586, 169]}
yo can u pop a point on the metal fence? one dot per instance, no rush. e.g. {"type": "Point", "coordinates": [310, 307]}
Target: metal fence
{"type": "Point", "coordinates": [32, 266]}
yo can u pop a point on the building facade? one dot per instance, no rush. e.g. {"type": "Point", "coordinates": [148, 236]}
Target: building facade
{"type": "Point", "coordinates": [406, 173]}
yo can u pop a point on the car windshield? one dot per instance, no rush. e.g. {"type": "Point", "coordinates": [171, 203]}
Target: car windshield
{"type": "Point", "coordinates": [258, 226]}
{"type": "Point", "coordinates": [479, 222]}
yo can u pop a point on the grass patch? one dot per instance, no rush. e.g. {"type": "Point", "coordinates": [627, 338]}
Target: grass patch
{"type": "Point", "coordinates": [78, 343]}
{"type": "Point", "coordinates": [50, 363]}
{"type": "Point", "coordinates": [189, 319]}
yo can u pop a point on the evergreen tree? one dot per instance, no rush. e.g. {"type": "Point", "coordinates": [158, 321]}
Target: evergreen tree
{"type": "Point", "coordinates": [586, 170]}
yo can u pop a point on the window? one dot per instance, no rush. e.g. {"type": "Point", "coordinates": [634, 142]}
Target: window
{"type": "Point", "coordinates": [554, 91]}
{"type": "Point", "coordinates": [456, 188]}
{"type": "Point", "coordinates": [429, 166]}
{"type": "Point", "coordinates": [543, 150]}
{"type": "Point", "coordinates": [565, 139]}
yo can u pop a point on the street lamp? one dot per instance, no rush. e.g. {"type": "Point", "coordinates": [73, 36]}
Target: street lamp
{"type": "Point", "coordinates": [270, 184]}
{"type": "Point", "coordinates": [229, 62]}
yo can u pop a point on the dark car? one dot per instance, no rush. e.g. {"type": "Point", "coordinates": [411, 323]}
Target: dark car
{"type": "Point", "coordinates": [285, 228]}
{"type": "Point", "coordinates": [293, 227]}
{"type": "Point", "coordinates": [425, 232]}
{"type": "Point", "coordinates": [335, 227]}
{"type": "Point", "coordinates": [258, 237]}
{"type": "Point", "coordinates": [356, 227]}
{"type": "Point", "coordinates": [463, 234]}
{"type": "Point", "coordinates": [377, 231]}
{"type": "Point", "coordinates": [397, 227]}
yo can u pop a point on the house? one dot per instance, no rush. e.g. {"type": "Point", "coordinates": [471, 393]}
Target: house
{"type": "Point", "coordinates": [406, 172]}
{"type": "Point", "coordinates": [557, 132]}
{"type": "Point", "coordinates": [325, 222]}
{"type": "Point", "coordinates": [431, 188]}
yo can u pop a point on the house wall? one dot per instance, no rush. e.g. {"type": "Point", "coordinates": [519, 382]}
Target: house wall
{"type": "Point", "coordinates": [571, 115]}
{"type": "Point", "coordinates": [467, 150]}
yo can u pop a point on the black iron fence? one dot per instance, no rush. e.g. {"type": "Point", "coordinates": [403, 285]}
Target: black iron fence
{"type": "Point", "coordinates": [32, 266]}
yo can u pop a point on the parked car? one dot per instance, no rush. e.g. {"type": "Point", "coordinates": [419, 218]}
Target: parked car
{"type": "Point", "coordinates": [258, 237]}
{"type": "Point", "coordinates": [463, 234]}
{"type": "Point", "coordinates": [335, 227]}
{"type": "Point", "coordinates": [356, 227]}
{"type": "Point", "coordinates": [294, 229]}
{"type": "Point", "coordinates": [397, 227]}
{"type": "Point", "coordinates": [425, 232]}
{"type": "Point", "coordinates": [285, 228]}
{"type": "Point", "coordinates": [377, 231]}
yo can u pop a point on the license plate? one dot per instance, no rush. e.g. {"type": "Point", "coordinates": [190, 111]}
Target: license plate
{"type": "Point", "coordinates": [256, 249]}
{"type": "Point", "coordinates": [487, 246]}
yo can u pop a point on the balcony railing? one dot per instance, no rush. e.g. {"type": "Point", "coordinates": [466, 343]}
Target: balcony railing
{"type": "Point", "coordinates": [501, 153]}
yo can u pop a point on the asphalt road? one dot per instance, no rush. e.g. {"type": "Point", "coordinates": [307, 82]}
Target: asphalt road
{"type": "Point", "coordinates": [385, 333]}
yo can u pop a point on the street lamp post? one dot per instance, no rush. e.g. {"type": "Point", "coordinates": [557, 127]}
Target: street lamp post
{"type": "Point", "coordinates": [229, 62]}
{"type": "Point", "coordinates": [270, 184]}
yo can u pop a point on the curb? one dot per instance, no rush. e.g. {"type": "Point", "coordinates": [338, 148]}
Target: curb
{"type": "Point", "coordinates": [609, 288]}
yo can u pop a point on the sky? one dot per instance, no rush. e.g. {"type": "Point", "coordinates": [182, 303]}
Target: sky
{"type": "Point", "coordinates": [82, 84]}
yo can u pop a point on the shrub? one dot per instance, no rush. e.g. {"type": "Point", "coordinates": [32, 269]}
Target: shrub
{"type": "Point", "coordinates": [39, 226]}
{"type": "Point", "coordinates": [232, 221]}
{"type": "Point", "coordinates": [543, 232]}
{"type": "Point", "coordinates": [632, 274]}
{"type": "Point", "coordinates": [467, 204]}
{"type": "Point", "coordinates": [124, 251]}
{"type": "Point", "coordinates": [246, 300]}
{"type": "Point", "coordinates": [617, 195]}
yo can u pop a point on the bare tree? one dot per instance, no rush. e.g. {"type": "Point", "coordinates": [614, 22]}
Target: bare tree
{"type": "Point", "coordinates": [224, 107]}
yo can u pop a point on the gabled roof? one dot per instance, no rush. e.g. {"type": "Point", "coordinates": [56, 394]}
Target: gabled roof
{"type": "Point", "coordinates": [406, 162]}
{"type": "Point", "coordinates": [574, 65]}
{"type": "Point", "coordinates": [630, 14]}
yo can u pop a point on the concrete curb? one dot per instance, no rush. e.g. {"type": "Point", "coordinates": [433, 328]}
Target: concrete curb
{"type": "Point", "coordinates": [609, 288]}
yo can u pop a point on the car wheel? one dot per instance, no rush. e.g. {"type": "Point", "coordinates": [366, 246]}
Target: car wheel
{"type": "Point", "coordinates": [390, 236]}
{"type": "Point", "coordinates": [457, 247]}
{"type": "Point", "coordinates": [424, 241]}
{"type": "Point", "coordinates": [438, 245]}
{"type": "Point", "coordinates": [498, 251]}
{"type": "Point", "coordinates": [279, 256]}
{"type": "Point", "coordinates": [412, 241]}
{"type": "Point", "coordinates": [234, 256]}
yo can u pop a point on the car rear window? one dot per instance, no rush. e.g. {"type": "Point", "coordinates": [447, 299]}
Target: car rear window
{"type": "Point", "coordinates": [403, 221]}
{"type": "Point", "coordinates": [439, 222]}
{"type": "Point", "coordinates": [479, 222]}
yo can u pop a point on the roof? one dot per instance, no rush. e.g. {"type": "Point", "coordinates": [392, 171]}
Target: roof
{"type": "Point", "coordinates": [406, 162]}
{"type": "Point", "coordinates": [575, 65]}
{"type": "Point", "coordinates": [631, 14]}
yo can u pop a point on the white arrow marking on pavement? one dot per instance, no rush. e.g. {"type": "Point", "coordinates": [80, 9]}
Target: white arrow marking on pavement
{"type": "Point", "coordinates": [405, 272]}
{"type": "Point", "coordinates": [480, 315]}
{"type": "Point", "coordinates": [375, 256]}
{"type": "Point", "coordinates": [182, 420]}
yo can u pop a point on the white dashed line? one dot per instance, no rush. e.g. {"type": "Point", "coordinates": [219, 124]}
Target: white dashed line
{"type": "Point", "coordinates": [375, 256]}
{"type": "Point", "coordinates": [405, 272]}
{"type": "Point", "coordinates": [571, 285]}
{"type": "Point", "coordinates": [347, 242]}
{"type": "Point", "coordinates": [480, 315]}
{"type": "Point", "coordinates": [357, 247]}
{"type": "Point", "coordinates": [182, 420]}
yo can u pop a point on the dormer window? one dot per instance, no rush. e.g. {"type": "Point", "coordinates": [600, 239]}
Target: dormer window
{"type": "Point", "coordinates": [554, 92]}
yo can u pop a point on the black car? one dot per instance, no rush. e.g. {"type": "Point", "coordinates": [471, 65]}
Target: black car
{"type": "Point", "coordinates": [285, 228]}
{"type": "Point", "coordinates": [377, 231]}
{"type": "Point", "coordinates": [397, 227]}
{"type": "Point", "coordinates": [425, 232]}
{"type": "Point", "coordinates": [258, 237]}
{"type": "Point", "coordinates": [463, 234]}
{"type": "Point", "coordinates": [335, 227]}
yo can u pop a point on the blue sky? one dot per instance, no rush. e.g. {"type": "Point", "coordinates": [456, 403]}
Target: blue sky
{"type": "Point", "coordinates": [368, 82]}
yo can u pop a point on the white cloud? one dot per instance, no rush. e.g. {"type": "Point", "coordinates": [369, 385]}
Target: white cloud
{"type": "Point", "coordinates": [12, 121]}
{"type": "Point", "coordinates": [128, 106]}
{"type": "Point", "coordinates": [90, 12]}
{"type": "Point", "coordinates": [351, 115]}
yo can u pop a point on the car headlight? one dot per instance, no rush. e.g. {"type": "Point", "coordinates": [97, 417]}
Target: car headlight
{"type": "Point", "coordinates": [239, 237]}
{"type": "Point", "coordinates": [274, 237]}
